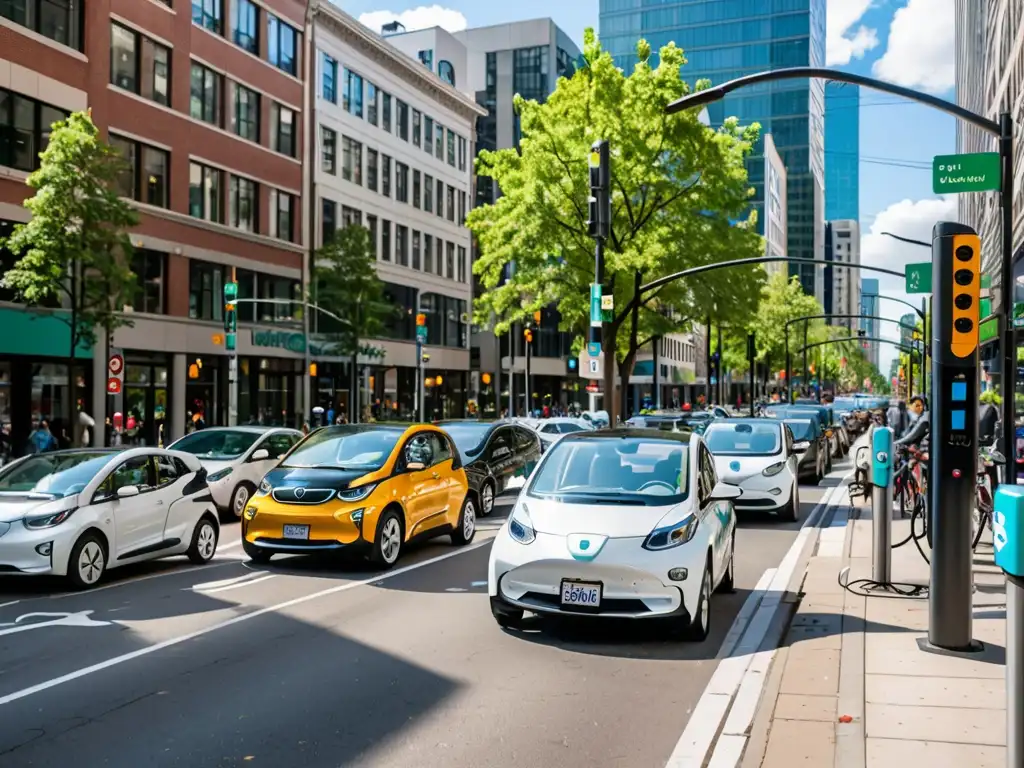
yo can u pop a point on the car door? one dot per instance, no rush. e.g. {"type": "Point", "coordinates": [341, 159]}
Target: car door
{"type": "Point", "coordinates": [716, 514]}
{"type": "Point", "coordinates": [425, 486]}
{"type": "Point", "coordinates": [451, 492]}
{"type": "Point", "coordinates": [171, 478]}
{"type": "Point", "coordinates": [500, 450]}
{"type": "Point", "coordinates": [276, 444]}
{"type": "Point", "coordinates": [138, 520]}
{"type": "Point", "coordinates": [792, 460]}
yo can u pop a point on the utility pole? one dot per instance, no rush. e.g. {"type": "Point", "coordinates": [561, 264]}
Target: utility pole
{"type": "Point", "coordinates": [751, 354]}
{"type": "Point", "coordinates": [657, 381]}
{"type": "Point", "coordinates": [421, 339]}
{"type": "Point", "coordinates": [718, 367]}
{"type": "Point", "coordinates": [804, 380]}
{"type": "Point", "coordinates": [599, 222]}
{"type": "Point", "coordinates": [528, 338]}
{"type": "Point", "coordinates": [231, 345]}
{"type": "Point", "coordinates": [707, 357]}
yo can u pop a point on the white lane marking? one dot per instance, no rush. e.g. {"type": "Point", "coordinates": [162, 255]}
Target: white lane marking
{"type": "Point", "coordinates": [479, 584]}
{"type": "Point", "coordinates": [79, 619]}
{"type": "Point", "coordinates": [136, 580]}
{"type": "Point", "coordinates": [703, 725]}
{"type": "Point", "coordinates": [728, 752]}
{"type": "Point", "coordinates": [749, 606]}
{"type": "Point", "coordinates": [118, 660]}
{"type": "Point", "coordinates": [229, 545]}
{"type": "Point", "coordinates": [208, 585]}
{"type": "Point", "coordinates": [13, 602]}
{"type": "Point", "coordinates": [241, 584]}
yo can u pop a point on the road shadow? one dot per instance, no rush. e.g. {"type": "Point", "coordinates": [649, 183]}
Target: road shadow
{"type": "Point", "coordinates": [760, 520]}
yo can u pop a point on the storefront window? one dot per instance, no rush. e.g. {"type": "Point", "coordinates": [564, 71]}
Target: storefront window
{"type": "Point", "coordinates": [145, 404]}
{"type": "Point", "coordinates": [148, 267]}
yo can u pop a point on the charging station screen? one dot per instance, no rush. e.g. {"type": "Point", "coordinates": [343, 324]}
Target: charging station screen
{"type": "Point", "coordinates": [959, 391]}
{"type": "Point", "coordinates": [957, 419]}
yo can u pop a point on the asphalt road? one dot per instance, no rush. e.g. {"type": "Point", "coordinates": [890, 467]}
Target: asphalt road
{"type": "Point", "coordinates": [312, 664]}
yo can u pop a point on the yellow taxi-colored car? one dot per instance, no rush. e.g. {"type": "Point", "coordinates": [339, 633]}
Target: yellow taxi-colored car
{"type": "Point", "coordinates": [370, 487]}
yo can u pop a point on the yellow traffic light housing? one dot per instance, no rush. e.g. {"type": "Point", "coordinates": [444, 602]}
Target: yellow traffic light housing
{"type": "Point", "coordinates": [312, 369]}
{"type": "Point", "coordinates": [421, 319]}
{"type": "Point", "coordinates": [529, 336]}
{"type": "Point", "coordinates": [966, 297]}
{"type": "Point", "coordinates": [536, 317]}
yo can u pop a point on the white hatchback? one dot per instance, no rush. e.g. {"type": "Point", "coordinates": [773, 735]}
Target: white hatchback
{"type": "Point", "coordinates": [236, 459]}
{"type": "Point", "coordinates": [620, 523]}
{"type": "Point", "coordinates": [82, 512]}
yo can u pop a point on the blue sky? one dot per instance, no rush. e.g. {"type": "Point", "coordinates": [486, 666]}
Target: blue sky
{"type": "Point", "coordinates": [905, 41]}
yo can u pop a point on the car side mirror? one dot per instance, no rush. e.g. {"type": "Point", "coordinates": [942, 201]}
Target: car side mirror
{"type": "Point", "coordinates": [801, 446]}
{"type": "Point", "coordinates": [127, 491]}
{"type": "Point", "coordinates": [725, 491]}
{"type": "Point", "coordinates": [261, 454]}
{"type": "Point", "coordinates": [415, 466]}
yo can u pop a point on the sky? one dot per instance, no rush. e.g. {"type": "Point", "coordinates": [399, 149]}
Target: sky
{"type": "Point", "coordinates": [907, 42]}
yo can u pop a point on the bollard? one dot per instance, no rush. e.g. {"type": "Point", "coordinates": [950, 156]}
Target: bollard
{"type": "Point", "coordinates": [881, 503]}
{"type": "Point", "coordinates": [1007, 529]}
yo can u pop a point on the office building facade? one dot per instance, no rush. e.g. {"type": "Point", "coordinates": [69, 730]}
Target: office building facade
{"type": "Point", "coordinates": [842, 285]}
{"type": "Point", "coordinates": [723, 41]}
{"type": "Point", "coordinates": [775, 200]}
{"type": "Point", "coordinates": [869, 306]}
{"type": "Point", "coordinates": [842, 151]}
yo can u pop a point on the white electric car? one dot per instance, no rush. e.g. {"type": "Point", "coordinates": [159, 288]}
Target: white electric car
{"type": "Point", "coordinates": [621, 523]}
{"type": "Point", "coordinates": [236, 459]}
{"type": "Point", "coordinates": [758, 456]}
{"type": "Point", "coordinates": [82, 512]}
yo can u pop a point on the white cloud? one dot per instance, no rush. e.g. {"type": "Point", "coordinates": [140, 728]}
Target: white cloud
{"type": "Point", "coordinates": [921, 50]}
{"type": "Point", "coordinates": [843, 40]}
{"type": "Point", "coordinates": [421, 17]}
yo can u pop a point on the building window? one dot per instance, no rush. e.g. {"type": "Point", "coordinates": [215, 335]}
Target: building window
{"type": "Point", "coordinates": [426, 58]}
{"type": "Point", "coordinates": [428, 253]}
{"type": "Point", "coordinates": [401, 182]}
{"type": "Point", "coordinates": [385, 240]}
{"type": "Point", "coordinates": [206, 13]}
{"type": "Point", "coordinates": [440, 198]}
{"type": "Point", "coordinates": [439, 141]}
{"type": "Point", "coordinates": [244, 207]}
{"type": "Point", "coordinates": [351, 160]}
{"type": "Point", "coordinates": [350, 217]}
{"type": "Point", "coordinates": [450, 203]}
{"type": "Point", "coordinates": [439, 257]}
{"type": "Point", "coordinates": [385, 175]}
{"type": "Point", "coordinates": [401, 245]}
{"type": "Point", "coordinates": [416, 121]}
{"type": "Point", "coordinates": [353, 94]}
{"type": "Point", "coordinates": [146, 178]}
{"type": "Point", "coordinates": [205, 193]}
{"type": "Point", "coordinates": [149, 267]}
{"type": "Point", "coordinates": [446, 72]}
{"type": "Point", "coordinates": [247, 113]}
{"type": "Point", "coordinates": [371, 169]}
{"type": "Point", "coordinates": [462, 264]}
{"type": "Point", "coordinates": [245, 23]}
{"type": "Point", "coordinates": [282, 127]}
{"type": "Point", "coordinates": [462, 153]}
{"type": "Point", "coordinates": [428, 193]}
{"type": "Point", "coordinates": [428, 135]}
{"type": "Point", "coordinates": [372, 103]}
{"type": "Point", "coordinates": [329, 79]}
{"type": "Point", "coordinates": [450, 255]}
{"type": "Point", "coordinates": [282, 221]}
{"type": "Point", "coordinates": [205, 94]}
{"type": "Point", "coordinates": [282, 44]}
{"type": "Point", "coordinates": [386, 111]}
{"type": "Point", "coordinates": [416, 189]}
{"type": "Point", "coordinates": [24, 129]}
{"type": "Point", "coordinates": [328, 220]}
{"type": "Point", "coordinates": [57, 20]}
{"type": "Point", "coordinates": [462, 207]}
{"type": "Point", "coordinates": [371, 227]}
{"type": "Point", "coordinates": [328, 150]}
{"type": "Point", "coordinates": [402, 119]}
{"type": "Point", "coordinates": [205, 290]}
{"type": "Point", "coordinates": [451, 148]}
{"type": "Point", "coordinates": [139, 65]}
{"type": "Point", "coordinates": [415, 249]}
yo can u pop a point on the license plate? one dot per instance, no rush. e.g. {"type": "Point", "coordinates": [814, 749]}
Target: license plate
{"type": "Point", "coordinates": [581, 594]}
{"type": "Point", "coordinates": [296, 531]}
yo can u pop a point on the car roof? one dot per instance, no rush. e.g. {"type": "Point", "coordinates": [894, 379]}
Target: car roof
{"type": "Point", "coordinates": [744, 420]}
{"type": "Point", "coordinates": [682, 436]}
{"type": "Point", "coordinates": [258, 429]}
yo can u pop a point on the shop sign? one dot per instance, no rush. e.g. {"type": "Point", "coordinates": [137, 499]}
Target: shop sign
{"type": "Point", "coordinates": [296, 342]}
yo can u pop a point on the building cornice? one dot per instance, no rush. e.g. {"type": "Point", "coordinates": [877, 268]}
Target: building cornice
{"type": "Point", "coordinates": [348, 30]}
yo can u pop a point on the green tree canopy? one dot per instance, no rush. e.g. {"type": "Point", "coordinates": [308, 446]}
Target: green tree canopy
{"type": "Point", "coordinates": [680, 198]}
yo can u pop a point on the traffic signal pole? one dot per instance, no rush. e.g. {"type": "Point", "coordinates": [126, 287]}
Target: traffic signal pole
{"type": "Point", "coordinates": [599, 222]}
{"type": "Point", "coordinates": [231, 345]}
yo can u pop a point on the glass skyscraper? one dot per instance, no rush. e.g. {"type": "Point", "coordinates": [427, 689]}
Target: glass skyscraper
{"type": "Point", "coordinates": [842, 151]}
{"type": "Point", "coordinates": [725, 39]}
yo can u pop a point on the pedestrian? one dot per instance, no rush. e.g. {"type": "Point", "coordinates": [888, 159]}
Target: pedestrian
{"type": "Point", "coordinates": [42, 439]}
{"type": "Point", "coordinates": [85, 427]}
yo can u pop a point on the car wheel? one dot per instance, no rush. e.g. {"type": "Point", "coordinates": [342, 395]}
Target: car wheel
{"type": "Point", "coordinates": [791, 512]}
{"type": "Point", "coordinates": [728, 583]}
{"type": "Point", "coordinates": [486, 498]}
{"type": "Point", "coordinates": [465, 528]}
{"type": "Point", "coordinates": [700, 625]}
{"type": "Point", "coordinates": [256, 554]}
{"type": "Point", "coordinates": [243, 492]}
{"type": "Point", "coordinates": [387, 541]}
{"type": "Point", "coordinates": [87, 562]}
{"type": "Point", "coordinates": [204, 542]}
{"type": "Point", "coordinates": [506, 616]}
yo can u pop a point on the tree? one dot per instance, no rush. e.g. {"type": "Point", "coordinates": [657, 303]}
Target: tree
{"type": "Point", "coordinates": [680, 198]}
{"type": "Point", "coordinates": [783, 299]}
{"type": "Point", "coordinates": [75, 251]}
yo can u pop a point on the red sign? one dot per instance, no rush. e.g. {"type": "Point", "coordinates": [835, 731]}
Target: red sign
{"type": "Point", "coordinates": [113, 385]}
{"type": "Point", "coordinates": [116, 365]}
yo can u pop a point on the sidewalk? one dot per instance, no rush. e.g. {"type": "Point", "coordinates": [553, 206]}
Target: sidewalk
{"type": "Point", "coordinates": [851, 688]}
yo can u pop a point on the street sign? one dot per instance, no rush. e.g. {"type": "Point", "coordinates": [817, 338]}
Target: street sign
{"type": "Point", "coordinates": [595, 305]}
{"type": "Point", "coordinates": [592, 367]}
{"type": "Point", "coordinates": [421, 334]}
{"type": "Point", "coordinates": [919, 277]}
{"type": "Point", "coordinates": [115, 372]}
{"type": "Point", "coordinates": [608, 302]}
{"type": "Point", "coordinates": [977, 172]}
{"type": "Point", "coordinates": [113, 386]}
{"type": "Point", "coordinates": [230, 341]}
{"type": "Point", "coordinates": [594, 348]}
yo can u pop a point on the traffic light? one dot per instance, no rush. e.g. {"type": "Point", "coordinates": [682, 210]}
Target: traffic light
{"type": "Point", "coordinates": [966, 266]}
{"type": "Point", "coordinates": [536, 317]}
{"type": "Point", "coordinates": [312, 369]}
{"type": "Point", "coordinates": [230, 292]}
{"type": "Point", "coordinates": [599, 203]}
{"type": "Point", "coordinates": [421, 319]}
{"type": "Point", "coordinates": [230, 315]}
{"type": "Point", "coordinates": [528, 335]}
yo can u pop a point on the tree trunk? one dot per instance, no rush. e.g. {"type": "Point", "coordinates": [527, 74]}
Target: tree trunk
{"type": "Point", "coordinates": [609, 343]}
{"type": "Point", "coordinates": [68, 415]}
{"type": "Point", "coordinates": [627, 364]}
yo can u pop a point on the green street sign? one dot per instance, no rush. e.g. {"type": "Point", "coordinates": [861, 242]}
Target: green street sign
{"type": "Point", "coordinates": [919, 277]}
{"type": "Point", "coordinates": [230, 292]}
{"type": "Point", "coordinates": [978, 172]}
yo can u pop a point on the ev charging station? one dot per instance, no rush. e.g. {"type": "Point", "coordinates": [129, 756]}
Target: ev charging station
{"type": "Point", "coordinates": [881, 504]}
{"type": "Point", "coordinates": [1007, 533]}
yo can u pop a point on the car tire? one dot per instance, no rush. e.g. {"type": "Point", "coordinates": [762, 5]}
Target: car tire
{"type": "Point", "coordinates": [506, 616]}
{"type": "Point", "coordinates": [791, 512]}
{"type": "Point", "coordinates": [700, 624]}
{"type": "Point", "coordinates": [387, 540]}
{"type": "Point", "coordinates": [256, 554]}
{"type": "Point", "coordinates": [728, 583]}
{"type": "Point", "coordinates": [87, 562]}
{"type": "Point", "coordinates": [465, 528]}
{"type": "Point", "coordinates": [487, 496]}
{"type": "Point", "coordinates": [239, 498]}
{"type": "Point", "coordinates": [204, 541]}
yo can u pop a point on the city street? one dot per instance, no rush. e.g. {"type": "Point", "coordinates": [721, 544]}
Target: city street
{"type": "Point", "coordinates": [309, 664]}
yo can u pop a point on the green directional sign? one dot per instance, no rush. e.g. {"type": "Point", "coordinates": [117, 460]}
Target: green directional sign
{"type": "Point", "coordinates": [978, 172]}
{"type": "Point", "coordinates": [919, 277]}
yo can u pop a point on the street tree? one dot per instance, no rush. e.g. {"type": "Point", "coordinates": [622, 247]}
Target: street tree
{"type": "Point", "coordinates": [74, 254]}
{"type": "Point", "coordinates": [680, 198]}
{"type": "Point", "coordinates": [783, 299]}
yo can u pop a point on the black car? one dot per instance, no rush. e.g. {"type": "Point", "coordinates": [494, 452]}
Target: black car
{"type": "Point", "coordinates": [810, 445]}
{"type": "Point", "coordinates": [492, 454]}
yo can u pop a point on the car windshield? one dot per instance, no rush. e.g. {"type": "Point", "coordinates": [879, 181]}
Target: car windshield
{"type": "Point", "coordinates": [345, 448]}
{"type": "Point", "coordinates": [217, 444]}
{"type": "Point", "coordinates": [802, 429]}
{"type": "Point", "coordinates": [614, 470]}
{"type": "Point", "coordinates": [467, 436]}
{"type": "Point", "coordinates": [743, 439]}
{"type": "Point", "coordinates": [54, 475]}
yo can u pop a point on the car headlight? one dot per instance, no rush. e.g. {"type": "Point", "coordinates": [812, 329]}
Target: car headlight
{"type": "Point", "coordinates": [357, 494]}
{"type": "Point", "coordinates": [264, 488]}
{"type": "Point", "coordinates": [774, 469]}
{"type": "Point", "coordinates": [520, 526]}
{"type": "Point", "coordinates": [672, 535]}
{"type": "Point", "coordinates": [48, 521]}
{"type": "Point", "coordinates": [250, 512]}
{"type": "Point", "coordinates": [220, 474]}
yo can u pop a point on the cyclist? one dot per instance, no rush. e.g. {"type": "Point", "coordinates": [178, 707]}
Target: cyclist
{"type": "Point", "coordinates": [898, 417]}
{"type": "Point", "coordinates": [919, 431]}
